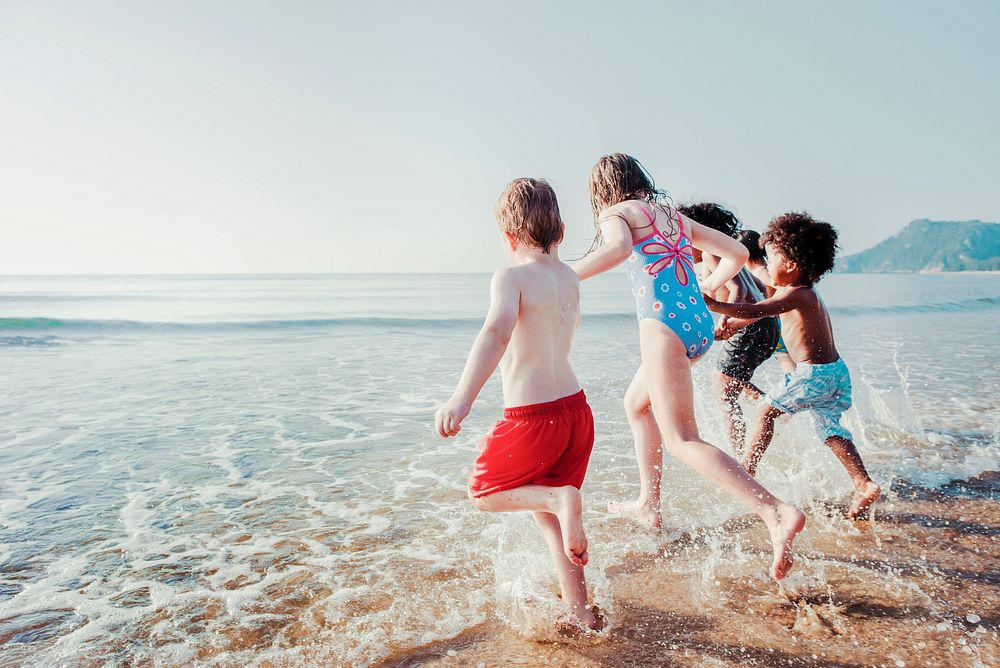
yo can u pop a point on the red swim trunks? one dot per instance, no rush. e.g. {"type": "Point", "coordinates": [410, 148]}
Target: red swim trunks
{"type": "Point", "coordinates": [542, 444]}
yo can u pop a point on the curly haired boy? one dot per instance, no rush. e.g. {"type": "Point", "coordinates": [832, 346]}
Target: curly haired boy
{"type": "Point", "coordinates": [800, 251]}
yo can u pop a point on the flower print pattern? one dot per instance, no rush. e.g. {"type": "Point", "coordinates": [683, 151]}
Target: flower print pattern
{"type": "Point", "coordinates": [681, 258]}
{"type": "Point", "coordinates": [657, 269]}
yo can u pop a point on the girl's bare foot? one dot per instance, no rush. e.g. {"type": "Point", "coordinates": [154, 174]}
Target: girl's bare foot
{"type": "Point", "coordinates": [570, 514]}
{"type": "Point", "coordinates": [864, 497]}
{"type": "Point", "coordinates": [645, 514]}
{"type": "Point", "coordinates": [784, 525]}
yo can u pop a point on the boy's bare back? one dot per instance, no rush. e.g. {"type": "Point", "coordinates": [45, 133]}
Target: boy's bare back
{"type": "Point", "coordinates": [806, 329]}
{"type": "Point", "coordinates": [536, 367]}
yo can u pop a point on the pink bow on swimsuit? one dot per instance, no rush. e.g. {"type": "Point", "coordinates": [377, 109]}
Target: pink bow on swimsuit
{"type": "Point", "coordinates": [682, 258]}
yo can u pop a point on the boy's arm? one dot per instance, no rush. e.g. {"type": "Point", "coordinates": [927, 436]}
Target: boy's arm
{"type": "Point", "coordinates": [616, 248]}
{"type": "Point", "coordinates": [487, 350]}
{"type": "Point", "coordinates": [731, 253]}
{"type": "Point", "coordinates": [779, 303]}
{"type": "Point", "coordinates": [727, 326]}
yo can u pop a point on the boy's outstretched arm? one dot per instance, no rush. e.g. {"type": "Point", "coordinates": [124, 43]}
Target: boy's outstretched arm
{"type": "Point", "coordinates": [731, 253]}
{"type": "Point", "coordinates": [487, 350]}
{"type": "Point", "coordinates": [775, 305]}
{"type": "Point", "coordinates": [616, 248]}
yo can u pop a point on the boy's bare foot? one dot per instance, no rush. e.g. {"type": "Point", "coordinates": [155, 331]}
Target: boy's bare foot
{"type": "Point", "coordinates": [785, 524]}
{"type": "Point", "coordinates": [863, 499]}
{"type": "Point", "coordinates": [570, 514]}
{"type": "Point", "coordinates": [585, 618]}
{"type": "Point", "coordinates": [646, 515]}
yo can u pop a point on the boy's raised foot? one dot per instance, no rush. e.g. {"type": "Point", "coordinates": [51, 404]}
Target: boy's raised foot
{"type": "Point", "coordinates": [864, 496]}
{"type": "Point", "coordinates": [645, 514]}
{"type": "Point", "coordinates": [786, 522]}
{"type": "Point", "coordinates": [569, 510]}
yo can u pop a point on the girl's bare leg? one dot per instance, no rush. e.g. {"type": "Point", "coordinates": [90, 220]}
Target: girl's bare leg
{"type": "Point", "coordinates": [565, 503]}
{"type": "Point", "coordinates": [648, 453]}
{"type": "Point", "coordinates": [572, 581]}
{"type": "Point", "coordinates": [671, 391]}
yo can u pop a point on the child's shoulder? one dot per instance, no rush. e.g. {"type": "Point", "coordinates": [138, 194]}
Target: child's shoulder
{"type": "Point", "coordinates": [528, 277]}
{"type": "Point", "coordinates": [806, 295]}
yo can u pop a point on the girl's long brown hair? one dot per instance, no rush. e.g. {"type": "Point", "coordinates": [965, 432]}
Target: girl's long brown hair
{"type": "Point", "coordinates": [617, 178]}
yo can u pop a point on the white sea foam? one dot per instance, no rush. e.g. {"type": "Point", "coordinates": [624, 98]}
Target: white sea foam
{"type": "Point", "coordinates": [179, 497]}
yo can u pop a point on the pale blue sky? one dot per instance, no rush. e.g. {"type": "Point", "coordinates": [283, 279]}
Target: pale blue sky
{"type": "Point", "coordinates": [376, 136]}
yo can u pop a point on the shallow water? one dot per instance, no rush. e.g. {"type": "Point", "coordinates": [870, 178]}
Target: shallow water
{"type": "Point", "coordinates": [241, 470]}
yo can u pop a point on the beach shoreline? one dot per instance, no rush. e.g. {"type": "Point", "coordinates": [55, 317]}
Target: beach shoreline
{"type": "Point", "coordinates": [917, 585]}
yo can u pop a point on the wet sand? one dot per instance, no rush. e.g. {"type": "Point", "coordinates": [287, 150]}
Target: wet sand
{"type": "Point", "coordinates": [917, 585]}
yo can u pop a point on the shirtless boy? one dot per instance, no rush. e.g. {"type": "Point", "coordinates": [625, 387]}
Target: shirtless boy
{"type": "Point", "coordinates": [536, 457]}
{"type": "Point", "coordinates": [800, 251]}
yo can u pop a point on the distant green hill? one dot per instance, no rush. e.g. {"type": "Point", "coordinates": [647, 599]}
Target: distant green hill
{"type": "Point", "coordinates": [932, 245]}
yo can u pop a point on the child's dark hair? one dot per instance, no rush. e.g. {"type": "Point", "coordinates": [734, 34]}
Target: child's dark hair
{"type": "Point", "coordinates": [529, 211]}
{"type": "Point", "coordinates": [618, 178]}
{"type": "Point", "coordinates": [712, 215]}
{"type": "Point", "coordinates": [809, 243]}
{"type": "Point", "coordinates": [751, 239]}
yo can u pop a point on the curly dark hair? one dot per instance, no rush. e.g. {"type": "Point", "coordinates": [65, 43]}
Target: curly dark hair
{"type": "Point", "coordinates": [751, 239]}
{"type": "Point", "coordinates": [712, 215]}
{"type": "Point", "coordinates": [809, 243]}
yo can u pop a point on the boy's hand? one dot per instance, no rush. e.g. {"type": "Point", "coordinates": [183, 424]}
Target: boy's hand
{"type": "Point", "coordinates": [448, 418]}
{"type": "Point", "coordinates": [724, 330]}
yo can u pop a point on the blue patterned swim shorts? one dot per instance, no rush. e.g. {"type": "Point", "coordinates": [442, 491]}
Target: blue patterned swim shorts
{"type": "Point", "coordinates": [822, 389]}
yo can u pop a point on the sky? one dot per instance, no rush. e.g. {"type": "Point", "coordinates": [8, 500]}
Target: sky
{"type": "Point", "coordinates": [245, 137]}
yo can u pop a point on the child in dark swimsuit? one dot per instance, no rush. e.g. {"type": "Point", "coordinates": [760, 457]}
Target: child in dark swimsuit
{"type": "Point", "coordinates": [800, 251]}
{"type": "Point", "coordinates": [656, 244]}
{"type": "Point", "coordinates": [748, 348]}
{"type": "Point", "coordinates": [757, 265]}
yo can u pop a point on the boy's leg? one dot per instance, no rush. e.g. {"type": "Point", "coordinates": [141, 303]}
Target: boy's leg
{"type": "Point", "coordinates": [729, 392]}
{"type": "Point", "coordinates": [866, 491]}
{"type": "Point", "coordinates": [572, 582]}
{"type": "Point", "coordinates": [648, 452]}
{"type": "Point", "coordinates": [565, 503]}
{"type": "Point", "coordinates": [762, 438]}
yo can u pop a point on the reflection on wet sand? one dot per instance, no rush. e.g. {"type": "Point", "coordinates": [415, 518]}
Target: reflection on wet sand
{"type": "Point", "coordinates": [919, 585]}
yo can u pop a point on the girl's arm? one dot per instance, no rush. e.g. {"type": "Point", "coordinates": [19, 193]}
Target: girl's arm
{"type": "Point", "coordinates": [616, 248]}
{"type": "Point", "coordinates": [731, 253]}
{"type": "Point", "coordinates": [776, 305]}
{"type": "Point", "coordinates": [487, 350]}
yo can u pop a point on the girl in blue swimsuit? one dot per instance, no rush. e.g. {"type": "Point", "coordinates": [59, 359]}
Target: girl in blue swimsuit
{"type": "Point", "coordinates": [655, 242]}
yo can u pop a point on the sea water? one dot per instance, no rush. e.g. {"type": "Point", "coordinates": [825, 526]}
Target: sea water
{"type": "Point", "coordinates": [242, 470]}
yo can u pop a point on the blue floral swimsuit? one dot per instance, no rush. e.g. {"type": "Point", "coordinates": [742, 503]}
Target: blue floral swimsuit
{"type": "Point", "coordinates": [665, 287]}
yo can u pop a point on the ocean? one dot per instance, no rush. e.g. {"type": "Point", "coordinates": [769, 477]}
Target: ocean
{"type": "Point", "coordinates": [242, 471]}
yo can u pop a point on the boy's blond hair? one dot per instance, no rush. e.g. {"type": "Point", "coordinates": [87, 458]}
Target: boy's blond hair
{"type": "Point", "coordinates": [528, 211]}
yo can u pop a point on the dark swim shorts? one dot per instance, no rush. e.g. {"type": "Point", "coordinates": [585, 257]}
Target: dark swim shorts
{"type": "Point", "coordinates": [749, 348]}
